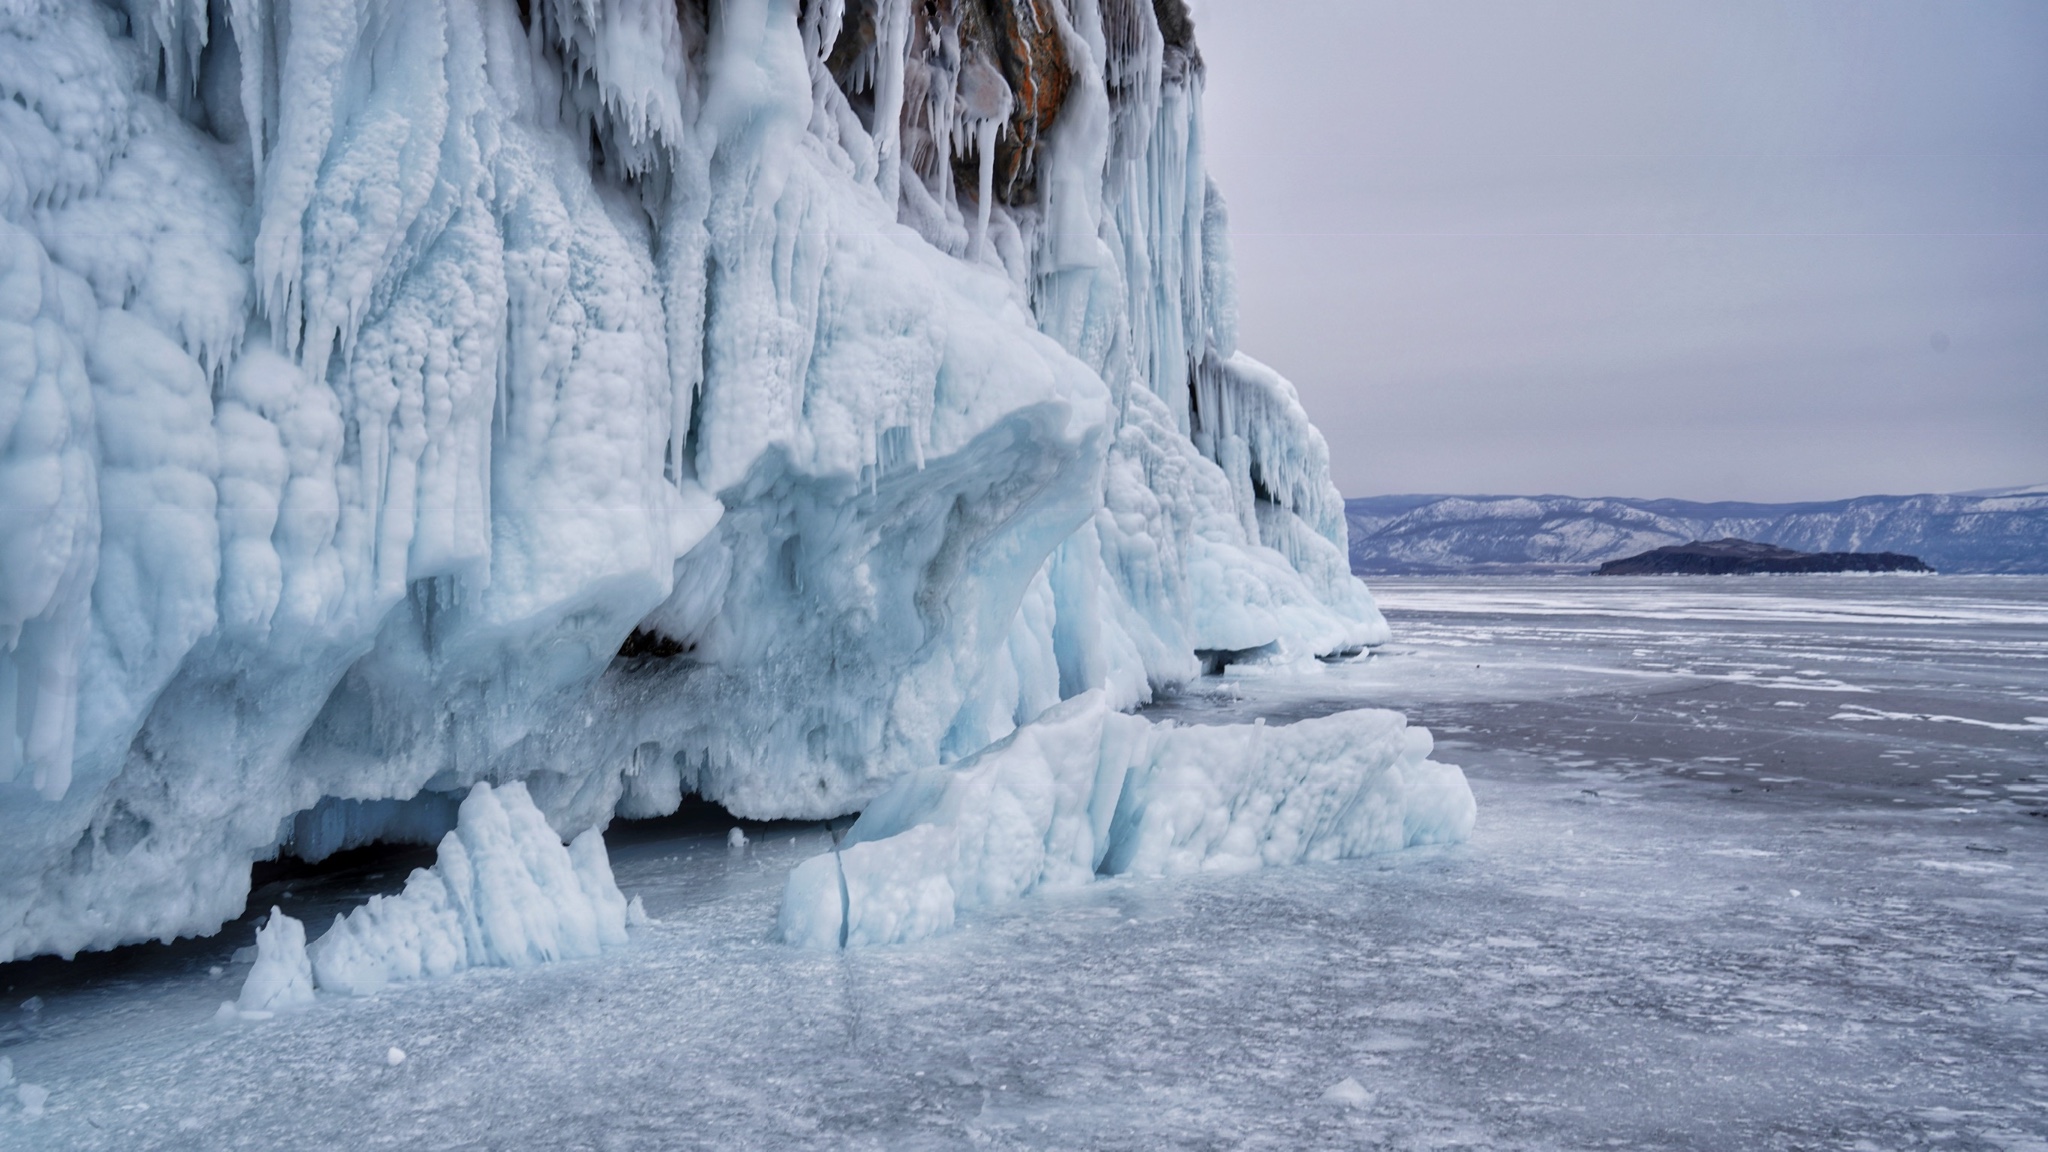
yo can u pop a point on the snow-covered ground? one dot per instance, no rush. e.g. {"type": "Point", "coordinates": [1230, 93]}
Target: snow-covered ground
{"type": "Point", "coordinates": [1759, 864]}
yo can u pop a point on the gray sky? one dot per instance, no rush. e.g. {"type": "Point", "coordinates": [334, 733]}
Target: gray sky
{"type": "Point", "coordinates": [1724, 249]}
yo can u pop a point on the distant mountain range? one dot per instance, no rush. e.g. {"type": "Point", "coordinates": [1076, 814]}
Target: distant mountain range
{"type": "Point", "coordinates": [1993, 531]}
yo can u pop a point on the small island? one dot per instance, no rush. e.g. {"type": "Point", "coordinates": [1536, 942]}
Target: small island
{"type": "Point", "coordinates": [1732, 557]}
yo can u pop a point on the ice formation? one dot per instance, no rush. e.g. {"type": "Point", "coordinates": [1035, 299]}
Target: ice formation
{"type": "Point", "coordinates": [759, 399]}
{"type": "Point", "coordinates": [1348, 1093]}
{"type": "Point", "coordinates": [1084, 790]}
{"type": "Point", "coordinates": [503, 892]}
{"type": "Point", "coordinates": [282, 978]}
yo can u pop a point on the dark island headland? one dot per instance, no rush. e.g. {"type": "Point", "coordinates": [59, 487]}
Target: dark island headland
{"type": "Point", "coordinates": [1732, 557]}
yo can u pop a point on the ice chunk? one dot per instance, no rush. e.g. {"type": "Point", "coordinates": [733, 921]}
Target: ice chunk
{"type": "Point", "coordinates": [1085, 790]}
{"type": "Point", "coordinates": [736, 839]}
{"type": "Point", "coordinates": [503, 892]}
{"type": "Point", "coordinates": [283, 977]}
{"type": "Point", "coordinates": [33, 1097]}
{"type": "Point", "coordinates": [1348, 1093]}
{"type": "Point", "coordinates": [394, 1056]}
{"type": "Point", "coordinates": [877, 892]}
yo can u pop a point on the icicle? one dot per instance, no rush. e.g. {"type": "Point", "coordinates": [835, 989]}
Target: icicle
{"type": "Point", "coordinates": [821, 24]}
{"type": "Point", "coordinates": [173, 34]}
{"type": "Point", "coordinates": [892, 41]}
{"type": "Point", "coordinates": [252, 43]}
{"type": "Point", "coordinates": [634, 55]}
{"type": "Point", "coordinates": [985, 143]}
{"type": "Point", "coordinates": [985, 104]}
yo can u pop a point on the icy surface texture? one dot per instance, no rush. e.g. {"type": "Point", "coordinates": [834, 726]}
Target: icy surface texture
{"type": "Point", "coordinates": [503, 893]}
{"type": "Point", "coordinates": [1084, 790]}
{"type": "Point", "coordinates": [282, 978]}
{"type": "Point", "coordinates": [397, 395]}
{"type": "Point", "coordinates": [337, 825]}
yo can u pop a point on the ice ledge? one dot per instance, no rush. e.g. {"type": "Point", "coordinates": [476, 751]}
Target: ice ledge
{"type": "Point", "coordinates": [1086, 791]}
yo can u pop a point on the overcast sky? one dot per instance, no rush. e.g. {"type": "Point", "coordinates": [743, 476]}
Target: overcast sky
{"type": "Point", "coordinates": [1725, 249]}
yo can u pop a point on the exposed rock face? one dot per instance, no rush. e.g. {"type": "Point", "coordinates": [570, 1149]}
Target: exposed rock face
{"type": "Point", "coordinates": [1176, 26]}
{"type": "Point", "coordinates": [1023, 39]}
{"type": "Point", "coordinates": [1732, 557]}
{"type": "Point", "coordinates": [974, 62]}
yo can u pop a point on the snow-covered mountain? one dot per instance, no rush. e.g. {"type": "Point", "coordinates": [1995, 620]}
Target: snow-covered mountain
{"type": "Point", "coordinates": [1995, 531]}
{"type": "Point", "coordinates": [750, 398]}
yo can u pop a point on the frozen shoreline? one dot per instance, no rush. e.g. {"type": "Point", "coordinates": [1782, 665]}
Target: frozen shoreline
{"type": "Point", "coordinates": [1618, 953]}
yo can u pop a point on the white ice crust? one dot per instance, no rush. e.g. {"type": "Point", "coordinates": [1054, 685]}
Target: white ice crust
{"type": "Point", "coordinates": [371, 370]}
{"type": "Point", "coordinates": [1085, 791]}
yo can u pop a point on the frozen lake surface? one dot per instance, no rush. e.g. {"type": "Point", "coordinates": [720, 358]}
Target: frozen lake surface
{"type": "Point", "coordinates": [1760, 863]}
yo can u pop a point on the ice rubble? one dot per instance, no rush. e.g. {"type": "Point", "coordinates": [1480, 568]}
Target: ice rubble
{"type": "Point", "coordinates": [1085, 791]}
{"type": "Point", "coordinates": [396, 394]}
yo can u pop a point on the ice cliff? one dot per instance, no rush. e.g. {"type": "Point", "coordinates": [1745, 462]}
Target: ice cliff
{"type": "Point", "coordinates": [631, 398]}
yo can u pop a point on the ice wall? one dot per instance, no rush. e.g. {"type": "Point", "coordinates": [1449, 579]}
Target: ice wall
{"type": "Point", "coordinates": [627, 397]}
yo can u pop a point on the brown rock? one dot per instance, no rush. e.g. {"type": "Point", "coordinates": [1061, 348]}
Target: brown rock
{"type": "Point", "coordinates": [966, 45]}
